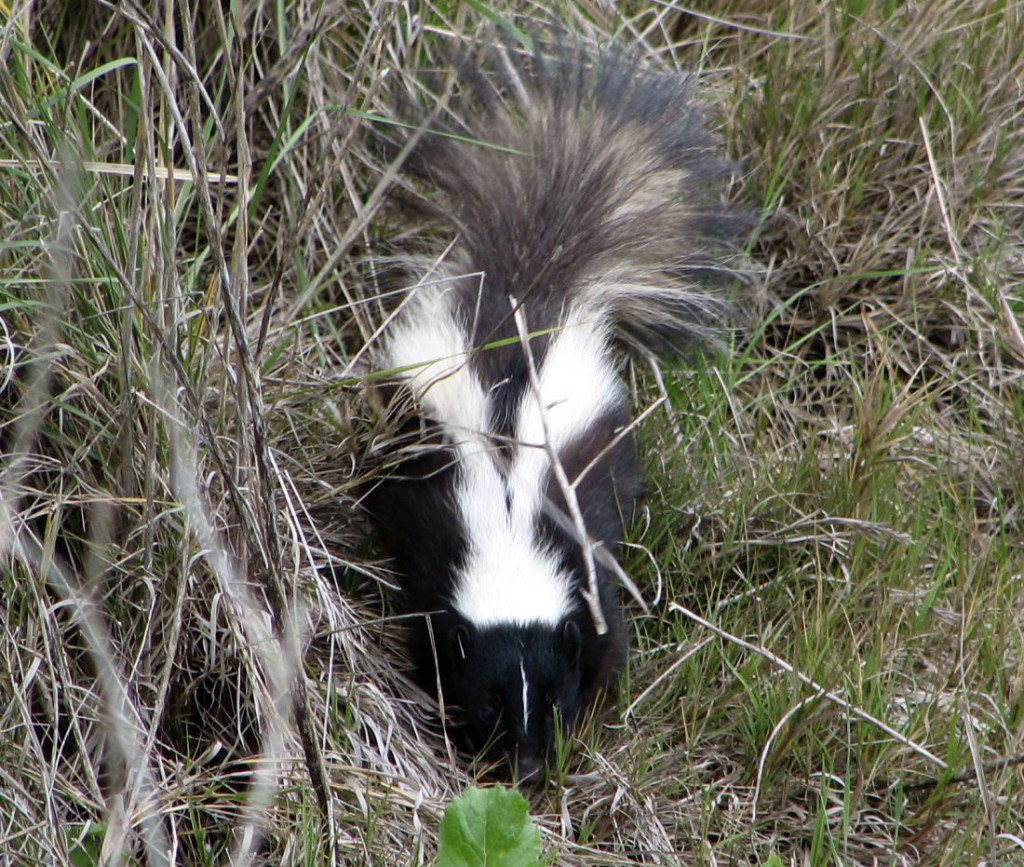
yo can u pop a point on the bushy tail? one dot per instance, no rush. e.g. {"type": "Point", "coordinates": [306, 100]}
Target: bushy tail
{"type": "Point", "coordinates": [577, 179]}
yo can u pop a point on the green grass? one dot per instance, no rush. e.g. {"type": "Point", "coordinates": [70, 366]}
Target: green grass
{"type": "Point", "coordinates": [832, 667]}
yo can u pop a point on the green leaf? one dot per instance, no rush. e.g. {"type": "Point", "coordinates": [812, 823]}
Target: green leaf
{"type": "Point", "coordinates": [85, 843]}
{"type": "Point", "coordinates": [521, 36]}
{"type": "Point", "coordinates": [488, 828]}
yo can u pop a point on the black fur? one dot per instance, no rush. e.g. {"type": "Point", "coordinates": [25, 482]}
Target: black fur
{"type": "Point", "coordinates": [416, 514]}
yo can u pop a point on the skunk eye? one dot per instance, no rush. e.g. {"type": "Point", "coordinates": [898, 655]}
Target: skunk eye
{"type": "Point", "coordinates": [489, 714]}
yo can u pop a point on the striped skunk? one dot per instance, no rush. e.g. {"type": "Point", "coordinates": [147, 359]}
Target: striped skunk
{"type": "Point", "coordinates": [585, 196]}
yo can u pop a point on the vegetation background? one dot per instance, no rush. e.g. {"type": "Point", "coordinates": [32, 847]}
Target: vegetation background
{"type": "Point", "coordinates": [196, 662]}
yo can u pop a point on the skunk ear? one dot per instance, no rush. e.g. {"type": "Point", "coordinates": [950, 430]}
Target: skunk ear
{"type": "Point", "coordinates": [572, 642]}
{"type": "Point", "coordinates": [459, 643]}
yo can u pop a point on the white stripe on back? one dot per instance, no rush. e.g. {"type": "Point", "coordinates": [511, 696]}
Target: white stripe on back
{"type": "Point", "coordinates": [508, 577]}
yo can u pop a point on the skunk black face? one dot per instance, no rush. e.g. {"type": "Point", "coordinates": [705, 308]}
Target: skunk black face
{"type": "Point", "coordinates": [512, 686]}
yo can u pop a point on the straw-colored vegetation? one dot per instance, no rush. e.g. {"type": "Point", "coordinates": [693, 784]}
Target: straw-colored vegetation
{"type": "Point", "coordinates": [195, 656]}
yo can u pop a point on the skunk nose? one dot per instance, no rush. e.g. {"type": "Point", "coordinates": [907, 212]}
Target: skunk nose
{"type": "Point", "coordinates": [529, 768]}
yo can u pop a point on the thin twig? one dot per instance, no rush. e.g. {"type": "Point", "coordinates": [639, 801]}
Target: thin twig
{"type": "Point", "coordinates": [966, 776]}
{"type": "Point", "coordinates": [833, 697]}
{"type": "Point", "coordinates": [590, 594]}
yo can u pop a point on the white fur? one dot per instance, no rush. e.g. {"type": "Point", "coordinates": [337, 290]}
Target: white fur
{"type": "Point", "coordinates": [577, 385]}
{"type": "Point", "coordinates": [508, 576]}
{"type": "Point", "coordinates": [526, 697]}
{"type": "Point", "coordinates": [430, 349]}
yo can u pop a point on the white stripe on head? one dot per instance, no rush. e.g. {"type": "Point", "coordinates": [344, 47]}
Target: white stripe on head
{"type": "Point", "coordinates": [526, 697]}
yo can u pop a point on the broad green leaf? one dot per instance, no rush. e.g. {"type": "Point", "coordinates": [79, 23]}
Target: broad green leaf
{"type": "Point", "coordinates": [488, 828]}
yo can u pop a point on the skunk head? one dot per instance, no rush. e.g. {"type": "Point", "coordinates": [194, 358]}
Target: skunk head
{"type": "Point", "coordinates": [513, 685]}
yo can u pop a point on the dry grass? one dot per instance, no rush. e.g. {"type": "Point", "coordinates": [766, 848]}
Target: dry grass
{"type": "Point", "coordinates": [195, 648]}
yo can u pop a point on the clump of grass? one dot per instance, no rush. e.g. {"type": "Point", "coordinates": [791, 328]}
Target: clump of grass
{"type": "Point", "coordinates": [195, 632]}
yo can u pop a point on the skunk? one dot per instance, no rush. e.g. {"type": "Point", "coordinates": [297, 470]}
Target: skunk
{"type": "Point", "coordinates": [584, 193]}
